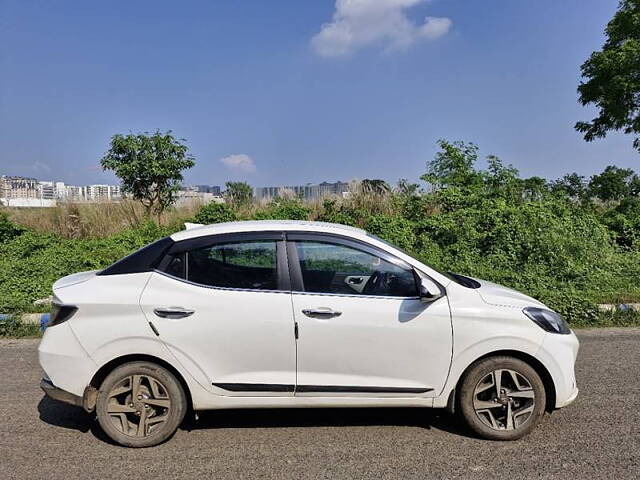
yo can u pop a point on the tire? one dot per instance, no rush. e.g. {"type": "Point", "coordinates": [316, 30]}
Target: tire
{"type": "Point", "coordinates": [140, 404]}
{"type": "Point", "coordinates": [506, 414]}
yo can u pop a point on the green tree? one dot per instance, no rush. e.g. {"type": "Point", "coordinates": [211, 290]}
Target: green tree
{"type": "Point", "coordinates": [534, 188]}
{"type": "Point", "coordinates": [500, 180]}
{"type": "Point", "coordinates": [374, 186]}
{"type": "Point", "coordinates": [407, 189]}
{"type": "Point", "coordinates": [149, 166]}
{"type": "Point", "coordinates": [613, 184]}
{"type": "Point", "coordinates": [453, 166]}
{"type": "Point", "coordinates": [572, 184]}
{"type": "Point", "coordinates": [611, 81]}
{"type": "Point", "coordinates": [238, 193]}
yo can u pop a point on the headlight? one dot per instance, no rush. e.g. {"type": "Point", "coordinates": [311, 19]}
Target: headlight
{"type": "Point", "coordinates": [61, 313]}
{"type": "Point", "coordinates": [548, 320]}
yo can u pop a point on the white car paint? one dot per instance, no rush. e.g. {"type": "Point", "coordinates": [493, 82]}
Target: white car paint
{"type": "Point", "coordinates": [242, 336]}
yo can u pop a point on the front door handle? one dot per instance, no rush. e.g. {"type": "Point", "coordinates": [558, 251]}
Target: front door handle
{"type": "Point", "coordinates": [172, 312]}
{"type": "Point", "coordinates": [321, 312]}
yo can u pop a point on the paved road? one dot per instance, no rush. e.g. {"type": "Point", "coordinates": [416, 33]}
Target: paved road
{"type": "Point", "coordinates": [596, 437]}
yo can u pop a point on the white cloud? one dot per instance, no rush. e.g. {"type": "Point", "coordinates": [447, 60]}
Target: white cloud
{"type": "Point", "coordinates": [241, 162]}
{"type": "Point", "coordinates": [359, 23]}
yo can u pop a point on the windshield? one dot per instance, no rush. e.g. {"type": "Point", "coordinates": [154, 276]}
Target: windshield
{"type": "Point", "coordinates": [456, 277]}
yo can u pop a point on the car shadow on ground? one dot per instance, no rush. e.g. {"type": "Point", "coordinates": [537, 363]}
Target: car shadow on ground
{"type": "Point", "coordinates": [75, 418]}
{"type": "Point", "coordinates": [328, 417]}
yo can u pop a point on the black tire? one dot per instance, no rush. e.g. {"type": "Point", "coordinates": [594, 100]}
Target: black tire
{"type": "Point", "coordinates": [136, 422]}
{"type": "Point", "coordinates": [491, 425]}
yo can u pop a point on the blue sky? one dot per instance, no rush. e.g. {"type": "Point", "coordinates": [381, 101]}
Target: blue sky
{"type": "Point", "coordinates": [285, 100]}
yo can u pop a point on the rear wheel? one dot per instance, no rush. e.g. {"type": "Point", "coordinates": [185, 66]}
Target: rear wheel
{"type": "Point", "coordinates": [140, 404]}
{"type": "Point", "coordinates": [502, 398]}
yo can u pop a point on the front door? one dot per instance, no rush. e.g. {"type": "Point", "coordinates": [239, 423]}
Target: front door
{"type": "Point", "coordinates": [362, 328]}
{"type": "Point", "coordinates": [222, 305]}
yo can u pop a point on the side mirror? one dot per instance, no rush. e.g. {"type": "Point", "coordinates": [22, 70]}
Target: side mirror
{"type": "Point", "coordinates": [428, 290]}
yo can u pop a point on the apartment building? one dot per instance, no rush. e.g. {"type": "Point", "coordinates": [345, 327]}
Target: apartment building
{"type": "Point", "coordinates": [307, 192]}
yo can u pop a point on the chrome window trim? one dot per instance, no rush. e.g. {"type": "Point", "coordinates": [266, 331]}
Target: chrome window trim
{"type": "Point", "coordinates": [356, 295]}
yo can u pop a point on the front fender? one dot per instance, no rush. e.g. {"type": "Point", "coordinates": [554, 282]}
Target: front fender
{"type": "Point", "coordinates": [472, 352]}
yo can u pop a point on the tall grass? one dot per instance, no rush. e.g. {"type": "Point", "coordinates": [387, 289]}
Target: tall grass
{"type": "Point", "coordinates": [100, 220]}
{"type": "Point", "coordinates": [94, 220]}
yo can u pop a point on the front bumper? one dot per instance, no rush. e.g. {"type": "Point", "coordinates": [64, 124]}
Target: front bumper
{"type": "Point", "coordinates": [569, 400]}
{"type": "Point", "coordinates": [56, 393]}
{"type": "Point", "coordinates": [558, 354]}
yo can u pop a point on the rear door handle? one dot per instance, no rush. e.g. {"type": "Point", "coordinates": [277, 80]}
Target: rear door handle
{"type": "Point", "coordinates": [173, 312]}
{"type": "Point", "coordinates": [321, 312]}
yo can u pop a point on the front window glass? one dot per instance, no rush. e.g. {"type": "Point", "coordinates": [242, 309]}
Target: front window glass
{"type": "Point", "coordinates": [333, 268]}
{"type": "Point", "coordinates": [250, 264]}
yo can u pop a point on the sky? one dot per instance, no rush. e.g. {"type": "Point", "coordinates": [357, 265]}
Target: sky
{"type": "Point", "coordinates": [287, 92]}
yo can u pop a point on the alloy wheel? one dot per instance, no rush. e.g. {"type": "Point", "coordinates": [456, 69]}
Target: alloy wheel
{"type": "Point", "coordinates": [138, 405]}
{"type": "Point", "coordinates": [504, 399]}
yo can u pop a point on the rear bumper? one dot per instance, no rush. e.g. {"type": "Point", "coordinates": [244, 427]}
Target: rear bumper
{"type": "Point", "coordinates": [56, 393]}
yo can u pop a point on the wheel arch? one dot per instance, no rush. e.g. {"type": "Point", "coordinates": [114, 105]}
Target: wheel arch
{"type": "Point", "coordinates": [537, 365]}
{"type": "Point", "coordinates": [111, 365]}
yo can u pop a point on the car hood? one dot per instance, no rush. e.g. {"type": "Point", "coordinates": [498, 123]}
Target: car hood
{"type": "Point", "coordinates": [501, 296]}
{"type": "Point", "coordinates": [74, 279]}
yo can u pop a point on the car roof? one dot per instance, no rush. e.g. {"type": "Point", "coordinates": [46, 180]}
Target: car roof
{"type": "Point", "coordinates": [268, 225]}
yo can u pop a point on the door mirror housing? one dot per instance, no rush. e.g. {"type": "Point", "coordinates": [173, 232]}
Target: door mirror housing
{"type": "Point", "coordinates": [428, 290]}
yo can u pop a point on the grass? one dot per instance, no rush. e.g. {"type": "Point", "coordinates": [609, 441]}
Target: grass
{"type": "Point", "coordinates": [14, 328]}
{"type": "Point", "coordinates": [93, 220]}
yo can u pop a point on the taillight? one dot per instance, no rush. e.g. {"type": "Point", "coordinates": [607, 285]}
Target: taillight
{"type": "Point", "coordinates": [61, 313]}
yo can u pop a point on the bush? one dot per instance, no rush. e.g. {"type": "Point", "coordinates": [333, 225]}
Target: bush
{"type": "Point", "coordinates": [624, 223]}
{"type": "Point", "coordinates": [215, 213]}
{"type": "Point", "coordinates": [566, 249]}
{"type": "Point", "coordinates": [395, 230]}
{"type": "Point", "coordinates": [283, 209]}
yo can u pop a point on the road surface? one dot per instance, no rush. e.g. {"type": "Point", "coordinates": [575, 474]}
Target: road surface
{"type": "Point", "coordinates": [596, 437]}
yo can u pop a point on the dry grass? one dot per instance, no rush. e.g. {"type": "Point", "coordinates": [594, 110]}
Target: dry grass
{"type": "Point", "coordinates": [99, 220]}
{"type": "Point", "coordinates": [93, 220]}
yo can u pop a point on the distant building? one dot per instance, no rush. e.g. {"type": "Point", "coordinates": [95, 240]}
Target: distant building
{"type": "Point", "coordinates": [213, 189]}
{"type": "Point", "coordinates": [18, 187]}
{"type": "Point", "coordinates": [306, 192]}
{"type": "Point", "coordinates": [47, 190]}
{"type": "Point", "coordinates": [192, 196]}
{"type": "Point", "coordinates": [25, 192]}
{"type": "Point", "coordinates": [101, 193]}
{"type": "Point", "coordinates": [31, 192]}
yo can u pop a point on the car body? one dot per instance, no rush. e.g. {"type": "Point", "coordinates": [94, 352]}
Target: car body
{"type": "Point", "coordinates": [295, 314]}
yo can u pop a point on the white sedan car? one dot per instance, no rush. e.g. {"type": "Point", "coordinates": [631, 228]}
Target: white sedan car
{"type": "Point", "coordinates": [298, 314]}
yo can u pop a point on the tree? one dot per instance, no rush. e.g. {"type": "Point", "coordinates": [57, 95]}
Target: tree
{"type": "Point", "coordinates": [149, 166]}
{"type": "Point", "coordinates": [534, 187]}
{"type": "Point", "coordinates": [374, 186]}
{"type": "Point", "coordinates": [500, 180]}
{"type": "Point", "coordinates": [407, 189]}
{"type": "Point", "coordinates": [613, 184]}
{"type": "Point", "coordinates": [453, 166]}
{"type": "Point", "coordinates": [572, 184]}
{"type": "Point", "coordinates": [611, 79]}
{"type": "Point", "coordinates": [238, 193]}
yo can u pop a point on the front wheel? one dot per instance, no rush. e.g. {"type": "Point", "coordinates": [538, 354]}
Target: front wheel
{"type": "Point", "coordinates": [502, 398]}
{"type": "Point", "coordinates": [140, 404]}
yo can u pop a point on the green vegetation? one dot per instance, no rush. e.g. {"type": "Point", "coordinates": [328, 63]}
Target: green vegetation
{"type": "Point", "coordinates": [611, 81]}
{"type": "Point", "coordinates": [150, 167]}
{"type": "Point", "coordinates": [572, 243]}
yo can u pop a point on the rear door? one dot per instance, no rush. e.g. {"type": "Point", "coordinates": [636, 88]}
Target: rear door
{"type": "Point", "coordinates": [222, 305]}
{"type": "Point", "coordinates": [362, 328]}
